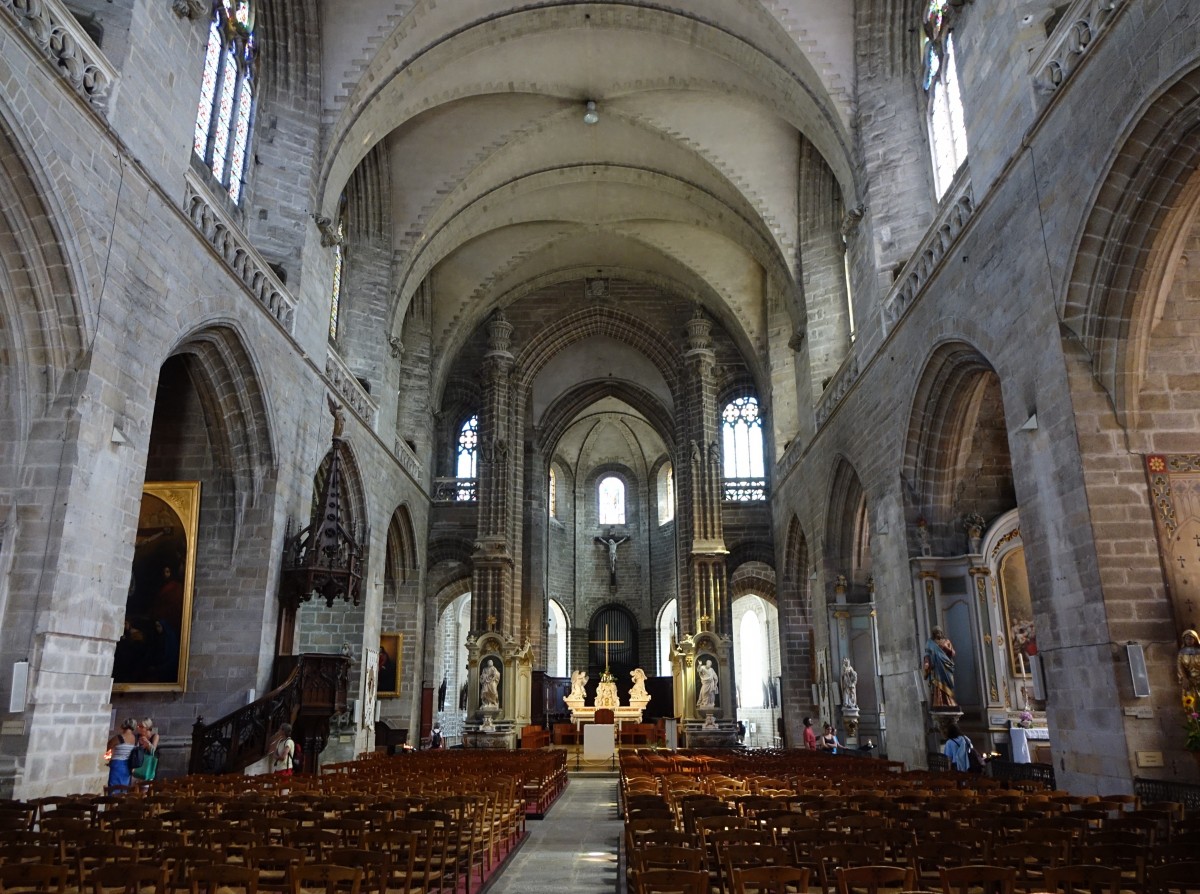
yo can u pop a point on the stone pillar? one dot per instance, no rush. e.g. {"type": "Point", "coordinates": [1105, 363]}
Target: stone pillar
{"type": "Point", "coordinates": [708, 608]}
{"type": "Point", "coordinates": [493, 560]}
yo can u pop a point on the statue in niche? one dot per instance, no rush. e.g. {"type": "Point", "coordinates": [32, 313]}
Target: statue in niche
{"type": "Point", "coordinates": [938, 666]}
{"type": "Point", "coordinates": [849, 685]}
{"type": "Point", "coordinates": [1187, 665]}
{"type": "Point", "coordinates": [709, 685]}
{"type": "Point", "coordinates": [489, 685]}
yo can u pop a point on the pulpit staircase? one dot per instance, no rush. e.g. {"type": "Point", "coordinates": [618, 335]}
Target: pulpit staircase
{"type": "Point", "coordinates": [309, 690]}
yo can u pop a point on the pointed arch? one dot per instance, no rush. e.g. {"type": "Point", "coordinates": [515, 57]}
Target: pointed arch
{"type": "Point", "coordinates": [847, 527]}
{"type": "Point", "coordinates": [1140, 209]}
{"type": "Point", "coordinates": [957, 427]}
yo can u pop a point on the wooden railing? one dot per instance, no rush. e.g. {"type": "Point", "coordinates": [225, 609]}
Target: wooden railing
{"type": "Point", "coordinates": [309, 690]}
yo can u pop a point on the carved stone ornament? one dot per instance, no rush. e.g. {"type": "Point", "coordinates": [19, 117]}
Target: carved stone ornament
{"type": "Point", "coordinates": [329, 233]}
{"type": "Point", "coordinates": [396, 346]}
{"type": "Point", "coordinates": [190, 9]}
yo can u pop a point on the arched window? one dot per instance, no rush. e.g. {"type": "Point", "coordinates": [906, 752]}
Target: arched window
{"type": "Point", "coordinates": [557, 641]}
{"type": "Point", "coordinates": [742, 451]}
{"type": "Point", "coordinates": [552, 496]}
{"type": "Point", "coordinates": [611, 500]}
{"type": "Point", "coordinates": [752, 661]}
{"type": "Point", "coordinates": [339, 263]}
{"type": "Point", "coordinates": [223, 117]}
{"type": "Point", "coordinates": [668, 628]}
{"type": "Point", "coordinates": [467, 455]}
{"type": "Point", "coordinates": [666, 494]}
{"type": "Point", "coordinates": [947, 132]}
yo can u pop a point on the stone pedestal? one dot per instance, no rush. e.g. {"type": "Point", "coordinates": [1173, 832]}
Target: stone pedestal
{"type": "Point", "coordinates": [850, 722]}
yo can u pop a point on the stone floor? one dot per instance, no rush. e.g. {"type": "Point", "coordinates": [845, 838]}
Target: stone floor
{"type": "Point", "coordinates": [574, 849]}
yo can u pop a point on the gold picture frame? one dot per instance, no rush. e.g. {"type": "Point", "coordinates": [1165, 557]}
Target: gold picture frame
{"type": "Point", "coordinates": [152, 654]}
{"type": "Point", "coordinates": [391, 653]}
{"type": "Point", "coordinates": [1018, 612]}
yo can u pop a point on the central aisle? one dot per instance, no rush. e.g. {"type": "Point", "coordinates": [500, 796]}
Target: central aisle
{"type": "Point", "coordinates": [574, 849]}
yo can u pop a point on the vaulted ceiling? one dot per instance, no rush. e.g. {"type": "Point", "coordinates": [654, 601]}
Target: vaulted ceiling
{"type": "Point", "coordinates": [688, 180]}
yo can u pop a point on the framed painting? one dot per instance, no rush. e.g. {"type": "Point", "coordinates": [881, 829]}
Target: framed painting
{"type": "Point", "coordinates": [391, 650]}
{"type": "Point", "coordinates": [1018, 612]}
{"type": "Point", "coordinates": [152, 653]}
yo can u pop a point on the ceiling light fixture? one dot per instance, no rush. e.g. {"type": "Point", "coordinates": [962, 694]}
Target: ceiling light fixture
{"type": "Point", "coordinates": [591, 116]}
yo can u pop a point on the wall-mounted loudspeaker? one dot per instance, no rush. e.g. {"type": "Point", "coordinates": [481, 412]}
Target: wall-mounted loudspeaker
{"type": "Point", "coordinates": [20, 687]}
{"type": "Point", "coordinates": [1036, 677]}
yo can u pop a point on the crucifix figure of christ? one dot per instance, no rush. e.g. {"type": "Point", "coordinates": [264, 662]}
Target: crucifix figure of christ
{"type": "Point", "coordinates": [607, 642]}
{"type": "Point", "coordinates": [612, 543]}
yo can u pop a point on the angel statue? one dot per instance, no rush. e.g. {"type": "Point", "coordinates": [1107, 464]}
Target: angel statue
{"type": "Point", "coordinates": [579, 680]}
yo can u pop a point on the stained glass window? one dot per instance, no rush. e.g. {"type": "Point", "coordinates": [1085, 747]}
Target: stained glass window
{"type": "Point", "coordinates": [947, 130]}
{"type": "Point", "coordinates": [743, 465]}
{"type": "Point", "coordinates": [611, 494]}
{"type": "Point", "coordinates": [224, 114]}
{"type": "Point", "coordinates": [553, 497]}
{"type": "Point", "coordinates": [666, 494]}
{"type": "Point", "coordinates": [339, 262]}
{"type": "Point", "coordinates": [468, 449]}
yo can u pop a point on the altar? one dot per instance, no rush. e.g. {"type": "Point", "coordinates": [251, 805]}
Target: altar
{"type": "Point", "coordinates": [599, 741]}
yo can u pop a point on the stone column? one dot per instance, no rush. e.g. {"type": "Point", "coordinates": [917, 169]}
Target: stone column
{"type": "Point", "coordinates": [493, 560]}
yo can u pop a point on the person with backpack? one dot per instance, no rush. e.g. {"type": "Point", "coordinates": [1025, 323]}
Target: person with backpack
{"type": "Point", "coordinates": [960, 751]}
{"type": "Point", "coordinates": [284, 752]}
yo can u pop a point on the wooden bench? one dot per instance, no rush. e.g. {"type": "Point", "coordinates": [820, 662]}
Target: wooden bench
{"type": "Point", "coordinates": [566, 734]}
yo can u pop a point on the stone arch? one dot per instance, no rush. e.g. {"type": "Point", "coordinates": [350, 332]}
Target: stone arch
{"type": "Point", "coordinates": [847, 530]}
{"type": "Point", "coordinates": [229, 385]}
{"type": "Point", "coordinates": [401, 563]}
{"type": "Point", "coordinates": [559, 415]}
{"type": "Point", "coordinates": [753, 576]}
{"type": "Point", "coordinates": [42, 326]}
{"type": "Point", "coordinates": [795, 631]}
{"type": "Point", "coordinates": [1141, 207]}
{"type": "Point", "coordinates": [957, 458]}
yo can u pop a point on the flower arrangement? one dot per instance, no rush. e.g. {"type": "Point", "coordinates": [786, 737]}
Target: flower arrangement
{"type": "Point", "coordinates": [1025, 719]}
{"type": "Point", "coordinates": [1191, 723]}
{"type": "Point", "coordinates": [607, 677]}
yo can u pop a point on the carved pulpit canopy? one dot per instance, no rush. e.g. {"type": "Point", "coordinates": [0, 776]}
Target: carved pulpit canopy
{"type": "Point", "coordinates": [325, 558]}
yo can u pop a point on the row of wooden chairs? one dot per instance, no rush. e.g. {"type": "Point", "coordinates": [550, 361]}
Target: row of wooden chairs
{"type": "Point", "coordinates": [678, 878]}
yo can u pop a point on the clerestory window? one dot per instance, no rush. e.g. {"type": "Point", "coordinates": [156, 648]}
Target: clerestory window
{"type": "Point", "coordinates": [947, 130]}
{"type": "Point", "coordinates": [610, 496]}
{"type": "Point", "coordinates": [223, 116]}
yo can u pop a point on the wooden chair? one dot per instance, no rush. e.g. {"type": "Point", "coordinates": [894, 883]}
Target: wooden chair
{"type": "Point", "coordinates": [832, 857]}
{"type": "Point", "coordinates": [1174, 878]}
{"type": "Point", "coordinates": [273, 862]}
{"type": "Point", "coordinates": [1031, 861]}
{"type": "Point", "coordinates": [746, 856]}
{"type": "Point", "coordinates": [29, 852]}
{"type": "Point", "coordinates": [979, 878]}
{"type": "Point", "coordinates": [667, 857]}
{"type": "Point", "coordinates": [222, 878]}
{"type": "Point", "coordinates": [670, 881]}
{"type": "Point", "coordinates": [929, 858]}
{"type": "Point", "coordinates": [33, 878]}
{"type": "Point", "coordinates": [873, 879]}
{"type": "Point", "coordinates": [375, 865]}
{"type": "Point", "coordinates": [1090, 877]}
{"type": "Point", "coordinates": [178, 860]}
{"type": "Point", "coordinates": [326, 878]}
{"type": "Point", "coordinates": [89, 858]}
{"type": "Point", "coordinates": [1130, 859]}
{"type": "Point", "coordinates": [313, 841]}
{"type": "Point", "coordinates": [770, 880]}
{"type": "Point", "coordinates": [129, 878]}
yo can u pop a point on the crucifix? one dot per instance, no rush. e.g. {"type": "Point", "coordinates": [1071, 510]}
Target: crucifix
{"type": "Point", "coordinates": [612, 543]}
{"type": "Point", "coordinates": [606, 641]}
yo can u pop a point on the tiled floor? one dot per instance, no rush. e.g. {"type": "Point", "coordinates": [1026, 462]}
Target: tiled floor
{"type": "Point", "coordinates": [574, 849]}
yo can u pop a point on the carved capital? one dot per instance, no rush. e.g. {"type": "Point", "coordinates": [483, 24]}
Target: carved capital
{"type": "Point", "coordinates": [396, 346]}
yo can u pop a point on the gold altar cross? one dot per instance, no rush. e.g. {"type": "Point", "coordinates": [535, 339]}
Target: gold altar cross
{"type": "Point", "coordinates": [606, 641]}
